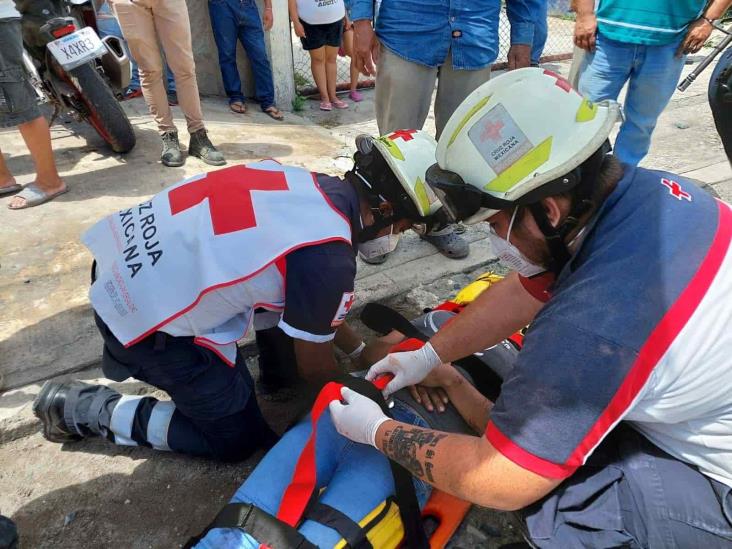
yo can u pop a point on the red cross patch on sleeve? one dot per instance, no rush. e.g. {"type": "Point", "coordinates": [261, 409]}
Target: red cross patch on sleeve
{"type": "Point", "coordinates": [345, 306]}
{"type": "Point", "coordinates": [675, 190]}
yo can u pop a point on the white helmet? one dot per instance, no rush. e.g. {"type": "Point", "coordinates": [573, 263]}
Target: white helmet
{"type": "Point", "coordinates": [392, 168]}
{"type": "Point", "coordinates": [516, 139]}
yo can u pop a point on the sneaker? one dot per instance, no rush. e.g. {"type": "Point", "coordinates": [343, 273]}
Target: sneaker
{"type": "Point", "coordinates": [201, 147]}
{"type": "Point", "coordinates": [171, 155]}
{"type": "Point", "coordinates": [131, 93]}
{"type": "Point", "coordinates": [172, 98]}
{"type": "Point", "coordinates": [377, 260]}
{"type": "Point", "coordinates": [48, 406]}
{"type": "Point", "coordinates": [448, 242]}
{"type": "Point", "coordinates": [356, 96]}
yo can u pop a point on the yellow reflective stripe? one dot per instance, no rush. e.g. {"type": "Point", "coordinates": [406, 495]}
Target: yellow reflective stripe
{"type": "Point", "coordinates": [587, 111]}
{"type": "Point", "coordinates": [422, 198]}
{"type": "Point", "coordinates": [387, 534]}
{"type": "Point", "coordinates": [521, 168]}
{"type": "Point", "coordinates": [479, 105]}
{"type": "Point", "coordinates": [392, 148]}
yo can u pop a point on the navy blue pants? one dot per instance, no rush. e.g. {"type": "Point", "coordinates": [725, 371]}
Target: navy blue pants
{"type": "Point", "coordinates": [213, 412]}
{"type": "Point", "coordinates": [632, 494]}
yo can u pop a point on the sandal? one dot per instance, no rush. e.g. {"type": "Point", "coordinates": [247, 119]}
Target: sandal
{"type": "Point", "coordinates": [326, 106]}
{"type": "Point", "coordinates": [238, 107]}
{"type": "Point", "coordinates": [356, 96]}
{"type": "Point", "coordinates": [274, 113]}
{"type": "Point", "coordinates": [34, 196]}
{"type": "Point", "coordinates": [11, 188]}
{"type": "Point", "coordinates": [338, 104]}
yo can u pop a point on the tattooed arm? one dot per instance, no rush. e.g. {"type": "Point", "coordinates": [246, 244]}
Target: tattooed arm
{"type": "Point", "coordinates": [465, 466]}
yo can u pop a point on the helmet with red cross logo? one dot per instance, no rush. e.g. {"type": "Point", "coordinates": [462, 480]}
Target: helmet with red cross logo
{"type": "Point", "coordinates": [518, 138]}
{"type": "Point", "coordinates": [391, 168]}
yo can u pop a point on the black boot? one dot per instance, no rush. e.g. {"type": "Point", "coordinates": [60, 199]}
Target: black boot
{"type": "Point", "coordinates": [171, 155]}
{"type": "Point", "coordinates": [202, 147]}
{"type": "Point", "coordinates": [48, 406]}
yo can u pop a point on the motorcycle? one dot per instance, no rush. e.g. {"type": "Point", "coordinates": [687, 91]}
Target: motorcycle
{"type": "Point", "coordinates": [720, 87]}
{"type": "Point", "coordinates": [70, 67]}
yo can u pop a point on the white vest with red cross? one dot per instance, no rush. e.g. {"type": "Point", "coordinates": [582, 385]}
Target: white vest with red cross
{"type": "Point", "coordinates": [159, 260]}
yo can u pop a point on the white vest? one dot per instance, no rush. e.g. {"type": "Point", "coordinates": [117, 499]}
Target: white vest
{"type": "Point", "coordinates": [157, 260]}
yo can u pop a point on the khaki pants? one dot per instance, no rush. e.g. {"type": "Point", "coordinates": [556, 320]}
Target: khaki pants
{"type": "Point", "coordinates": [144, 23]}
{"type": "Point", "coordinates": [404, 91]}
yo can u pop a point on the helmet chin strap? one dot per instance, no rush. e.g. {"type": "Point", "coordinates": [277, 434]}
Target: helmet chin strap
{"type": "Point", "coordinates": [554, 238]}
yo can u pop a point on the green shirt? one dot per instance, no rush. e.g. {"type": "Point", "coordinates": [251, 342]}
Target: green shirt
{"type": "Point", "coordinates": [648, 22]}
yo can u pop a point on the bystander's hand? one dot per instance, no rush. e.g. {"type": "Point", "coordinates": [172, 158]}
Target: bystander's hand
{"type": "Point", "coordinates": [299, 29]}
{"type": "Point", "coordinates": [267, 19]}
{"type": "Point", "coordinates": [696, 36]}
{"type": "Point", "coordinates": [585, 31]}
{"type": "Point", "coordinates": [519, 56]}
{"type": "Point", "coordinates": [366, 47]}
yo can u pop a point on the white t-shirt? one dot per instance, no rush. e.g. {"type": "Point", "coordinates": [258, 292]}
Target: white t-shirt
{"type": "Point", "coordinates": [7, 10]}
{"type": "Point", "coordinates": [321, 12]}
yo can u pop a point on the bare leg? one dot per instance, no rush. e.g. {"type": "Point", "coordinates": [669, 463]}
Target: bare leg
{"type": "Point", "coordinates": [331, 69]}
{"type": "Point", "coordinates": [317, 66]}
{"type": "Point", "coordinates": [37, 138]}
{"type": "Point", "coordinates": [348, 49]}
{"type": "Point", "coordinates": [6, 178]}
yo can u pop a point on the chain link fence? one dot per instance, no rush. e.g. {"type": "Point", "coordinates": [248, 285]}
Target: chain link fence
{"type": "Point", "coordinates": [559, 46]}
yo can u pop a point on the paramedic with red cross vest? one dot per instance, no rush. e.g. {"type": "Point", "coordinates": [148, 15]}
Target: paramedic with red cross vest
{"type": "Point", "coordinates": [178, 279]}
{"type": "Point", "coordinates": [614, 428]}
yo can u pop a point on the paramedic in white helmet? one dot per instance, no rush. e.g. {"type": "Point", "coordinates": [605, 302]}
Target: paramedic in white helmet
{"type": "Point", "coordinates": [614, 428]}
{"type": "Point", "coordinates": [178, 280]}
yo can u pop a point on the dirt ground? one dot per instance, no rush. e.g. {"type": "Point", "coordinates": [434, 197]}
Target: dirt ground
{"type": "Point", "coordinates": [97, 495]}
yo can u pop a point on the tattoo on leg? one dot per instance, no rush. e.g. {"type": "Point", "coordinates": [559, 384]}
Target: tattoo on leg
{"type": "Point", "coordinates": [403, 444]}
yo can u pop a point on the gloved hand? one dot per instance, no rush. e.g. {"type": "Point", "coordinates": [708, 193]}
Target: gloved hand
{"type": "Point", "coordinates": [408, 368]}
{"type": "Point", "coordinates": [359, 418]}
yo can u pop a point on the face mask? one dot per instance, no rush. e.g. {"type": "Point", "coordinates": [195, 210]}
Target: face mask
{"type": "Point", "coordinates": [379, 246]}
{"type": "Point", "coordinates": [510, 255]}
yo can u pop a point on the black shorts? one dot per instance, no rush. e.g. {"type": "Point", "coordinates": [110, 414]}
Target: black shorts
{"type": "Point", "coordinates": [17, 97]}
{"type": "Point", "coordinates": [317, 36]}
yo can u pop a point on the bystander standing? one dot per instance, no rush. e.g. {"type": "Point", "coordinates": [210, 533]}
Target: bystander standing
{"type": "Point", "coordinates": [18, 107]}
{"type": "Point", "coordinates": [144, 23]}
{"type": "Point", "coordinates": [643, 44]}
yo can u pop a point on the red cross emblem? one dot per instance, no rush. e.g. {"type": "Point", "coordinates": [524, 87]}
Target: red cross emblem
{"type": "Point", "coordinates": [675, 190]}
{"type": "Point", "coordinates": [406, 135]}
{"type": "Point", "coordinates": [561, 82]}
{"type": "Point", "coordinates": [492, 131]}
{"type": "Point", "coordinates": [229, 193]}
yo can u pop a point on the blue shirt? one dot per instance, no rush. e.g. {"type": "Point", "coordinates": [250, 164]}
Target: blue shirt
{"type": "Point", "coordinates": [424, 31]}
{"type": "Point", "coordinates": [637, 330]}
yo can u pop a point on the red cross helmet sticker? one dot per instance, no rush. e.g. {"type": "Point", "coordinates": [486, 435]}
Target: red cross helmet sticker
{"type": "Point", "coordinates": [406, 135]}
{"type": "Point", "coordinates": [675, 190]}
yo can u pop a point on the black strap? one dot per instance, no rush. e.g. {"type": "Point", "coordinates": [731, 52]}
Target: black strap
{"type": "Point", "coordinates": [348, 528]}
{"type": "Point", "coordinates": [405, 495]}
{"type": "Point", "coordinates": [262, 526]}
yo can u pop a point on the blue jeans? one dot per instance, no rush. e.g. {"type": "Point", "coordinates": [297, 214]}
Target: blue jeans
{"type": "Point", "coordinates": [541, 31]}
{"type": "Point", "coordinates": [357, 478]}
{"type": "Point", "coordinates": [652, 73]}
{"type": "Point", "coordinates": [232, 19]}
{"type": "Point", "coordinates": [108, 26]}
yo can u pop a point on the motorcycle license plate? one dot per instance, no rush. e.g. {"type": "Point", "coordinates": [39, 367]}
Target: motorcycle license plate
{"type": "Point", "coordinates": [77, 48]}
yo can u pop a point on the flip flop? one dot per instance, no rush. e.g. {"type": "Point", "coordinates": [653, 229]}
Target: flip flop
{"type": "Point", "coordinates": [239, 107]}
{"type": "Point", "coordinates": [274, 112]}
{"type": "Point", "coordinates": [326, 106]}
{"type": "Point", "coordinates": [34, 196]}
{"type": "Point", "coordinates": [10, 189]}
{"type": "Point", "coordinates": [338, 104]}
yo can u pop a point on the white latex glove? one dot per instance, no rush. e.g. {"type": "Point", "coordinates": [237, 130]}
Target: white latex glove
{"type": "Point", "coordinates": [359, 418]}
{"type": "Point", "coordinates": [408, 368]}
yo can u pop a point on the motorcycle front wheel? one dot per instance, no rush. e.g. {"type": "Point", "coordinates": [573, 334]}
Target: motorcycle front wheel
{"type": "Point", "coordinates": [104, 112]}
